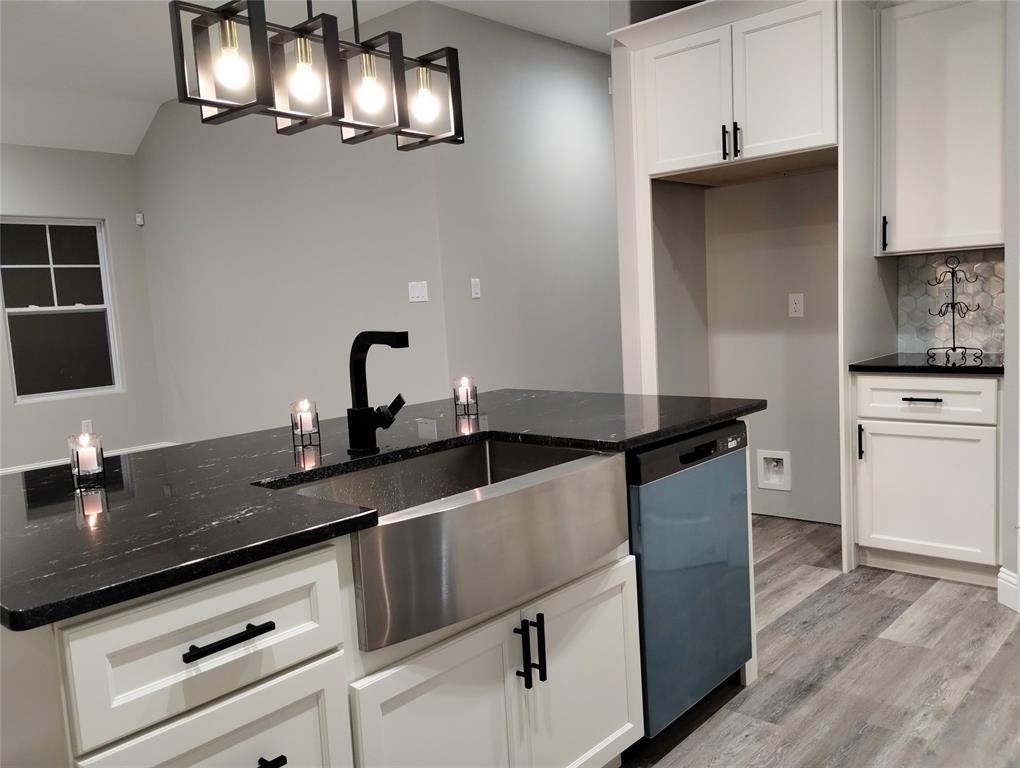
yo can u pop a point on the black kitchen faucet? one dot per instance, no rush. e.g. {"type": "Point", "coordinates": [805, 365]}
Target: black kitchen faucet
{"type": "Point", "coordinates": [362, 419]}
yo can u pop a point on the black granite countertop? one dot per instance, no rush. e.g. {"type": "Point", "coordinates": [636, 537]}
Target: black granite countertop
{"type": "Point", "coordinates": [182, 513]}
{"type": "Point", "coordinates": [917, 362]}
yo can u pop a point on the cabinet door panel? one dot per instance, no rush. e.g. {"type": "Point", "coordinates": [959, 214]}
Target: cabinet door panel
{"type": "Point", "coordinates": [942, 118]}
{"type": "Point", "coordinates": [784, 79]}
{"type": "Point", "coordinates": [456, 705]}
{"type": "Point", "coordinates": [688, 100]}
{"type": "Point", "coordinates": [589, 709]}
{"type": "Point", "coordinates": [928, 489]}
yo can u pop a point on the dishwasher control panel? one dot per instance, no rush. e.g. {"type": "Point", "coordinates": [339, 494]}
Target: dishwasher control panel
{"type": "Point", "coordinates": [686, 452]}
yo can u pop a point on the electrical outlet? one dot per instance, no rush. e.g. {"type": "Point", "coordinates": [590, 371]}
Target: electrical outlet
{"type": "Point", "coordinates": [774, 471]}
{"type": "Point", "coordinates": [476, 288]}
{"type": "Point", "coordinates": [86, 426]}
{"type": "Point", "coordinates": [418, 291]}
{"type": "Point", "coordinates": [796, 305]}
{"type": "Point", "coordinates": [140, 219]}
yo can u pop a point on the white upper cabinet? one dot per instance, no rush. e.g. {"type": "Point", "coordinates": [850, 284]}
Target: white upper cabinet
{"type": "Point", "coordinates": [770, 78]}
{"type": "Point", "coordinates": [784, 79]}
{"type": "Point", "coordinates": [942, 122]}
{"type": "Point", "coordinates": [689, 107]}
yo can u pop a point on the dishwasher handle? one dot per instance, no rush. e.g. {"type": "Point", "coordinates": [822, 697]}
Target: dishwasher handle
{"type": "Point", "coordinates": [699, 453]}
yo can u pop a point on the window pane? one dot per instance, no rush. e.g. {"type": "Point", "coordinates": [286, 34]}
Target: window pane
{"type": "Point", "coordinates": [74, 244]}
{"type": "Point", "coordinates": [25, 287]}
{"type": "Point", "coordinates": [78, 286]}
{"type": "Point", "coordinates": [23, 244]}
{"type": "Point", "coordinates": [62, 351]}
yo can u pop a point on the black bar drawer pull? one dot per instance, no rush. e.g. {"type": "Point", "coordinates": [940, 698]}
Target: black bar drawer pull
{"type": "Point", "coordinates": [736, 139]}
{"type": "Point", "coordinates": [525, 632]}
{"type": "Point", "coordinates": [725, 139]}
{"type": "Point", "coordinates": [276, 762]}
{"type": "Point", "coordinates": [196, 652]}
{"type": "Point", "coordinates": [860, 441]}
{"type": "Point", "coordinates": [885, 232]}
{"type": "Point", "coordinates": [539, 625]}
{"type": "Point", "coordinates": [932, 400]}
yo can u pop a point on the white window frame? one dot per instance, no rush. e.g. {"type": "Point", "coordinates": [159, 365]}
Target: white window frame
{"type": "Point", "coordinates": [108, 306]}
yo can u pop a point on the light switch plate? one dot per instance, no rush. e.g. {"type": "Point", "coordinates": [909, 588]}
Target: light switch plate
{"type": "Point", "coordinates": [476, 288]}
{"type": "Point", "coordinates": [418, 291]}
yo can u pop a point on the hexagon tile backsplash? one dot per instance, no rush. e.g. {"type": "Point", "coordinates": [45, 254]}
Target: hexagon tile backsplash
{"type": "Point", "coordinates": [919, 330]}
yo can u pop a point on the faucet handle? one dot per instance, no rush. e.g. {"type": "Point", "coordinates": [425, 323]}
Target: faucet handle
{"type": "Point", "coordinates": [389, 412]}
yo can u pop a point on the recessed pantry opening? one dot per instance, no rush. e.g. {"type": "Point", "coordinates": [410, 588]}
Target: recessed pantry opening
{"type": "Point", "coordinates": [727, 258]}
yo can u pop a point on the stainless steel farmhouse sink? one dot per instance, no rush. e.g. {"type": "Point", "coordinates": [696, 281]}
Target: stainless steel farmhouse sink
{"type": "Point", "coordinates": [475, 528]}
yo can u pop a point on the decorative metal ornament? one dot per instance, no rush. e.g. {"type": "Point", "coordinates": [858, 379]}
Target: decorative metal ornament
{"type": "Point", "coordinates": [306, 76]}
{"type": "Point", "coordinates": [954, 356]}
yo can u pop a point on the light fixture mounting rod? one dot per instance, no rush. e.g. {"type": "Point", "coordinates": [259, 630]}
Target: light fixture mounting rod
{"type": "Point", "coordinates": [357, 29]}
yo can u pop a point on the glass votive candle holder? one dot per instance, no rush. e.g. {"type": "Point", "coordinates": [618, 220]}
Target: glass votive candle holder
{"type": "Point", "coordinates": [465, 396]}
{"type": "Point", "coordinates": [304, 422]}
{"type": "Point", "coordinates": [86, 452]}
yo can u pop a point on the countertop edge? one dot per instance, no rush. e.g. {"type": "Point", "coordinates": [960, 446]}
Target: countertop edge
{"type": "Point", "coordinates": [20, 620]}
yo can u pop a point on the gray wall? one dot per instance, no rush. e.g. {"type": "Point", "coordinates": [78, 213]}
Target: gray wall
{"type": "Point", "coordinates": [55, 182]}
{"type": "Point", "coordinates": [528, 205]}
{"type": "Point", "coordinates": [267, 254]}
{"type": "Point", "coordinates": [765, 240]}
{"type": "Point", "coordinates": [681, 288]}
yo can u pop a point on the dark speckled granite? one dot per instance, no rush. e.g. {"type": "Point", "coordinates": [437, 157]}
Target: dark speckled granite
{"type": "Point", "coordinates": [179, 514]}
{"type": "Point", "coordinates": [917, 362]}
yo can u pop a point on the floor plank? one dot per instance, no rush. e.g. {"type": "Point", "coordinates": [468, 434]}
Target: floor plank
{"type": "Point", "coordinates": [870, 669]}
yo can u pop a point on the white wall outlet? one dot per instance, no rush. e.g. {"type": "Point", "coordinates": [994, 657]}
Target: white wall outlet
{"type": "Point", "coordinates": [476, 288]}
{"type": "Point", "coordinates": [418, 291]}
{"type": "Point", "coordinates": [796, 305]}
{"type": "Point", "coordinates": [86, 426]}
{"type": "Point", "coordinates": [774, 470]}
{"type": "Point", "coordinates": [140, 219]}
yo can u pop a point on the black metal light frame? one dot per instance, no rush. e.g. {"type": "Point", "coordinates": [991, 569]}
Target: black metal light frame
{"type": "Point", "coordinates": [455, 135]}
{"type": "Point", "coordinates": [322, 29]}
{"type": "Point", "coordinates": [249, 13]}
{"type": "Point", "coordinates": [270, 80]}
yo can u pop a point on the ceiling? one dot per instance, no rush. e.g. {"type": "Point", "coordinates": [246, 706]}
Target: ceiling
{"type": "Point", "coordinates": [59, 88]}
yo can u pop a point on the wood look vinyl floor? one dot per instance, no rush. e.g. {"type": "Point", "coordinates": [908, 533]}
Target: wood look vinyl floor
{"type": "Point", "coordinates": [869, 668]}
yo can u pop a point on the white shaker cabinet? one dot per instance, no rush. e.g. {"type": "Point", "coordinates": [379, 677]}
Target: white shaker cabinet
{"type": "Point", "coordinates": [688, 101]}
{"type": "Point", "coordinates": [784, 79]}
{"type": "Point", "coordinates": [589, 708]}
{"type": "Point", "coordinates": [928, 489]}
{"type": "Point", "coordinates": [456, 706]}
{"type": "Point", "coordinates": [942, 122]}
{"type": "Point", "coordinates": [466, 702]}
{"type": "Point", "coordinates": [765, 85]}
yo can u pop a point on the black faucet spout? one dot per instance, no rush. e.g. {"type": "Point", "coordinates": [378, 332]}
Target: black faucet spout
{"type": "Point", "coordinates": [359, 356]}
{"type": "Point", "coordinates": [362, 419]}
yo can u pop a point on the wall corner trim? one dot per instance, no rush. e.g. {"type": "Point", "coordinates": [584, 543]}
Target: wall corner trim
{"type": "Point", "coordinates": [1009, 589]}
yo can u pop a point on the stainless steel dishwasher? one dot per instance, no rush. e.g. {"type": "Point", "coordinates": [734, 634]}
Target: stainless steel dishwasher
{"type": "Point", "coordinates": [688, 531]}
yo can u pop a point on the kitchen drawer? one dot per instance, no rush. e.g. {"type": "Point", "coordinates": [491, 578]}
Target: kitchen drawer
{"type": "Point", "coordinates": [300, 716]}
{"type": "Point", "coordinates": [950, 399]}
{"type": "Point", "coordinates": [128, 670]}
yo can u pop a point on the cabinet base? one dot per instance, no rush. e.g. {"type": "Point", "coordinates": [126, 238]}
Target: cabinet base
{"type": "Point", "coordinates": [936, 567]}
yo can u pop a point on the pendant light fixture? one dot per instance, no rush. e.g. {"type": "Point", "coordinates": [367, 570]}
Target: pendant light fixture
{"type": "Point", "coordinates": [306, 76]}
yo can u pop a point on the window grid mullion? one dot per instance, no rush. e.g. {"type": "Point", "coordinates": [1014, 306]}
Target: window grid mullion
{"type": "Point", "coordinates": [49, 254]}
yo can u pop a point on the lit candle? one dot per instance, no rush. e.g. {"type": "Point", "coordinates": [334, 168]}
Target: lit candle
{"type": "Point", "coordinates": [464, 393]}
{"type": "Point", "coordinates": [85, 454]}
{"type": "Point", "coordinates": [304, 417]}
{"type": "Point", "coordinates": [309, 457]}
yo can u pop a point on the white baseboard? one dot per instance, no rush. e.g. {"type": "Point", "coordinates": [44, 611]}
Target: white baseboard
{"type": "Point", "coordinates": [1009, 589]}
{"type": "Point", "coordinates": [65, 460]}
{"type": "Point", "coordinates": [935, 567]}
